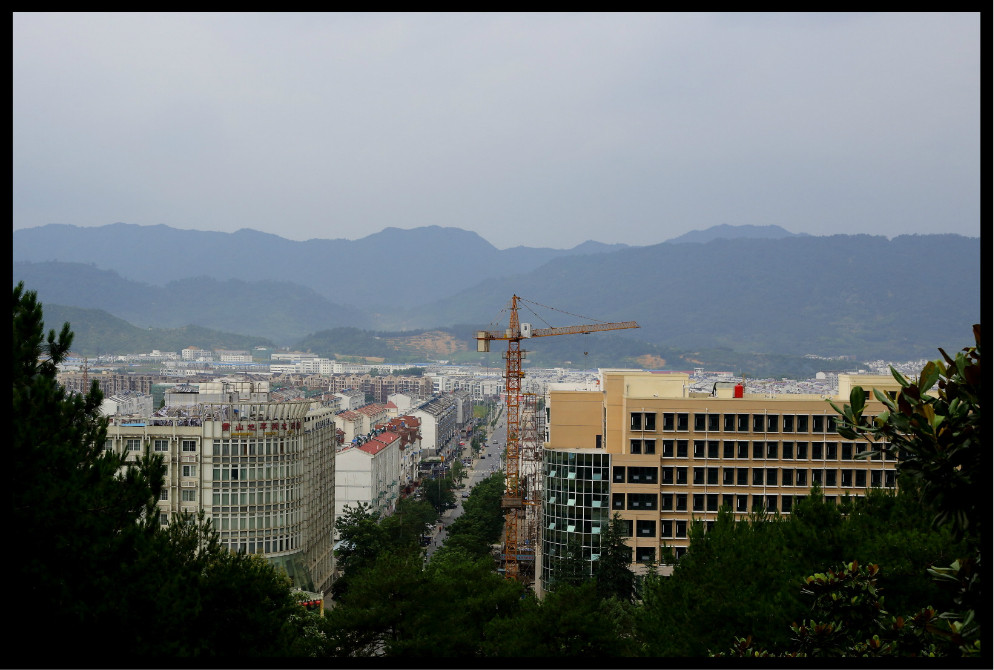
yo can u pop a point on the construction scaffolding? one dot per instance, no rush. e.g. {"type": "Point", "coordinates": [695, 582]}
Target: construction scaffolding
{"type": "Point", "coordinates": [530, 470]}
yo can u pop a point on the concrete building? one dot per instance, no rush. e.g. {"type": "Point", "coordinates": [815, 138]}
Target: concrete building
{"type": "Point", "coordinates": [128, 403]}
{"type": "Point", "coordinates": [263, 472]}
{"type": "Point", "coordinates": [662, 457]}
{"type": "Point", "coordinates": [438, 426]}
{"type": "Point", "coordinates": [369, 473]}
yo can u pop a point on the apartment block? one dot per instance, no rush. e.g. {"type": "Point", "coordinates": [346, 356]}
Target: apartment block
{"type": "Point", "coordinates": [662, 457]}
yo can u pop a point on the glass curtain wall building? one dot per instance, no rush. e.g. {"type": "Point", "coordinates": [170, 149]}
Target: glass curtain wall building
{"type": "Point", "coordinates": [576, 506]}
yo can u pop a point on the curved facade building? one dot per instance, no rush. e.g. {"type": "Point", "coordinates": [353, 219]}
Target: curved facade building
{"type": "Point", "coordinates": [263, 472]}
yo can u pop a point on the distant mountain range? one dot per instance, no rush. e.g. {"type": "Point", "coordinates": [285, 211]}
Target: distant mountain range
{"type": "Point", "coordinates": [741, 288]}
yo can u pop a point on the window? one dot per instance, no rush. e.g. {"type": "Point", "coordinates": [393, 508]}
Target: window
{"type": "Point", "coordinates": [757, 476]}
{"type": "Point", "coordinates": [830, 475]}
{"type": "Point", "coordinates": [636, 447]}
{"type": "Point", "coordinates": [788, 451]}
{"type": "Point", "coordinates": [741, 476]}
{"type": "Point", "coordinates": [817, 451]}
{"type": "Point", "coordinates": [189, 445]}
{"type": "Point", "coordinates": [667, 476]}
{"type": "Point", "coordinates": [786, 504]}
{"type": "Point", "coordinates": [890, 479]}
{"type": "Point", "coordinates": [188, 495]}
{"type": "Point", "coordinates": [668, 424]}
{"type": "Point", "coordinates": [830, 423]}
{"type": "Point", "coordinates": [712, 500]}
{"type": "Point", "coordinates": [729, 421]}
{"type": "Point", "coordinates": [771, 503]}
{"type": "Point", "coordinates": [133, 445]}
{"type": "Point", "coordinates": [617, 501]}
{"type": "Point", "coordinates": [636, 420]}
{"type": "Point", "coordinates": [666, 528]}
{"type": "Point", "coordinates": [666, 502]}
{"type": "Point", "coordinates": [619, 473]}
{"type": "Point", "coordinates": [772, 423]}
{"type": "Point", "coordinates": [164, 494]}
{"type": "Point", "coordinates": [816, 476]}
{"type": "Point", "coordinates": [802, 423]}
{"type": "Point", "coordinates": [727, 500]}
{"type": "Point", "coordinates": [645, 528]}
{"type": "Point", "coordinates": [818, 423]}
{"type": "Point", "coordinates": [681, 448]}
{"type": "Point", "coordinates": [681, 531]}
{"type": "Point", "coordinates": [648, 446]}
{"type": "Point", "coordinates": [698, 502]}
{"type": "Point", "coordinates": [758, 423]}
{"type": "Point", "coordinates": [641, 475]}
{"type": "Point", "coordinates": [700, 422]}
{"type": "Point", "coordinates": [802, 451]}
{"type": "Point", "coordinates": [758, 503]}
{"type": "Point", "coordinates": [160, 445]}
{"type": "Point", "coordinates": [847, 451]}
{"type": "Point", "coordinates": [698, 476]}
{"type": "Point", "coordinates": [741, 503]}
{"type": "Point", "coordinates": [682, 421]}
{"type": "Point", "coordinates": [712, 448]}
{"type": "Point", "coordinates": [876, 478]}
{"type": "Point", "coordinates": [699, 449]}
{"type": "Point", "coordinates": [800, 477]}
{"type": "Point", "coordinates": [649, 421]}
{"type": "Point", "coordinates": [728, 449]}
{"type": "Point", "coordinates": [743, 449]}
{"type": "Point", "coordinates": [771, 450]}
{"type": "Point", "coordinates": [681, 475]}
{"type": "Point", "coordinates": [728, 476]}
{"type": "Point", "coordinates": [109, 445]}
{"type": "Point", "coordinates": [714, 420]}
{"type": "Point", "coordinates": [163, 519]}
{"type": "Point", "coordinates": [712, 476]}
{"type": "Point", "coordinates": [771, 476]}
{"type": "Point", "coordinates": [643, 500]}
{"type": "Point", "coordinates": [758, 450]}
{"type": "Point", "coordinates": [787, 477]}
{"type": "Point", "coordinates": [847, 478]}
{"type": "Point", "coordinates": [788, 423]}
{"type": "Point", "coordinates": [667, 448]}
{"type": "Point", "coordinates": [189, 470]}
{"type": "Point", "coordinates": [742, 425]}
{"type": "Point", "coordinates": [681, 502]}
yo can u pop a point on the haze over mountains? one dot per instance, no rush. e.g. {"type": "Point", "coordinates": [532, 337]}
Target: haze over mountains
{"type": "Point", "coordinates": [747, 288]}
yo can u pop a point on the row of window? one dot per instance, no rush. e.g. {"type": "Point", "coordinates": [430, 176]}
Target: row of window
{"type": "Point", "coordinates": [742, 423]}
{"type": "Point", "coordinates": [787, 450]}
{"type": "Point", "coordinates": [186, 495]}
{"type": "Point", "coordinates": [727, 476]}
{"type": "Point", "coordinates": [135, 444]}
{"type": "Point", "coordinates": [221, 447]}
{"type": "Point", "coordinates": [709, 502]}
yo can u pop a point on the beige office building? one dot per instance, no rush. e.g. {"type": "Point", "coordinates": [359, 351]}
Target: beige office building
{"type": "Point", "coordinates": [661, 456]}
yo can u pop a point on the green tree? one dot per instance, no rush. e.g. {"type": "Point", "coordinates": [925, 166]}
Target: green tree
{"type": "Point", "coordinates": [614, 577]}
{"type": "Point", "coordinates": [936, 438]}
{"type": "Point", "coordinates": [362, 540]}
{"type": "Point", "coordinates": [99, 558]}
{"type": "Point", "coordinates": [439, 493]}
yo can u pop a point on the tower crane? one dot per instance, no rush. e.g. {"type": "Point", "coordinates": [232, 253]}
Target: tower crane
{"type": "Point", "coordinates": [513, 501]}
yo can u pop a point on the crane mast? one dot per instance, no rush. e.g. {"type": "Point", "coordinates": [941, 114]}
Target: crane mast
{"type": "Point", "coordinates": [513, 501]}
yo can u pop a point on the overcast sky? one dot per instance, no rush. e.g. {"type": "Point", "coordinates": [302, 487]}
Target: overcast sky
{"type": "Point", "coordinates": [530, 129]}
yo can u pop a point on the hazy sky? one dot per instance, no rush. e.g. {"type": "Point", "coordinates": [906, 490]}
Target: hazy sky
{"type": "Point", "coordinates": [531, 129]}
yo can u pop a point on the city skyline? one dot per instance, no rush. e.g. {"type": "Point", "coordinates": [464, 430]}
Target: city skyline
{"type": "Point", "coordinates": [536, 130]}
